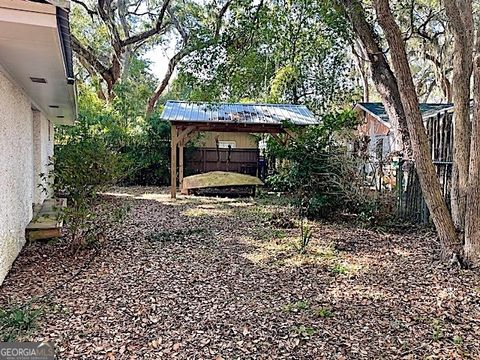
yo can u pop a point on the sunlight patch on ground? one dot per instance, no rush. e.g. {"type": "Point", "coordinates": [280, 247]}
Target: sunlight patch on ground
{"type": "Point", "coordinates": [350, 292]}
{"type": "Point", "coordinates": [352, 265]}
{"type": "Point", "coordinates": [347, 268]}
{"type": "Point", "coordinates": [200, 211]}
{"type": "Point", "coordinates": [257, 258]}
{"type": "Point", "coordinates": [120, 195]}
{"type": "Point", "coordinates": [285, 252]}
{"type": "Point", "coordinates": [208, 206]}
{"type": "Point", "coordinates": [160, 197]}
{"type": "Point", "coordinates": [163, 196]}
{"type": "Point", "coordinates": [240, 204]}
{"type": "Point", "coordinates": [402, 252]}
{"type": "Point", "coordinates": [298, 260]}
{"type": "Point", "coordinates": [254, 213]}
{"type": "Point", "coordinates": [276, 245]}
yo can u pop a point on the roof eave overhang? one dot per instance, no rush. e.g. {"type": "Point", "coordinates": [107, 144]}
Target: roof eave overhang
{"type": "Point", "coordinates": [424, 116]}
{"type": "Point", "coordinates": [361, 107]}
{"type": "Point", "coordinates": [35, 42]}
{"type": "Point", "coordinates": [222, 126]}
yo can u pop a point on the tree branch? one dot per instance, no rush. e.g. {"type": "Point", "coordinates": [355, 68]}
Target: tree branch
{"type": "Point", "coordinates": [186, 50]}
{"type": "Point", "coordinates": [87, 9]}
{"type": "Point", "coordinates": [166, 79]}
{"type": "Point", "coordinates": [148, 33]}
{"type": "Point", "coordinates": [181, 30]}
{"type": "Point", "coordinates": [220, 15]}
{"type": "Point", "coordinates": [88, 55]}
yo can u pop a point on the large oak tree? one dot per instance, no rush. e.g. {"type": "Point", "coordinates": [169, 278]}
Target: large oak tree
{"type": "Point", "coordinates": [455, 246]}
{"type": "Point", "coordinates": [107, 33]}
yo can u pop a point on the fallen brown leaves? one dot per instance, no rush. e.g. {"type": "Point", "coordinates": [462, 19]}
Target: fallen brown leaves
{"type": "Point", "coordinates": [209, 278]}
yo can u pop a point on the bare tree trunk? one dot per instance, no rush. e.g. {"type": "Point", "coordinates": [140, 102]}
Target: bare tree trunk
{"type": "Point", "coordinates": [172, 64]}
{"type": "Point", "coordinates": [472, 216]}
{"type": "Point", "coordinates": [382, 76]}
{"type": "Point", "coordinates": [459, 13]}
{"type": "Point", "coordinates": [451, 248]}
{"type": "Point", "coordinates": [127, 52]}
{"type": "Point", "coordinates": [188, 49]}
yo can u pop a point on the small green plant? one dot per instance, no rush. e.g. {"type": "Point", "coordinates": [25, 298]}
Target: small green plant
{"type": "Point", "coordinates": [296, 306]}
{"type": "Point", "coordinates": [437, 330]}
{"type": "Point", "coordinates": [306, 233]}
{"type": "Point", "coordinates": [340, 269]}
{"type": "Point", "coordinates": [84, 166]}
{"type": "Point", "coordinates": [324, 312]}
{"type": "Point", "coordinates": [17, 321]}
{"type": "Point", "coordinates": [305, 330]}
{"type": "Point", "coordinates": [457, 340]}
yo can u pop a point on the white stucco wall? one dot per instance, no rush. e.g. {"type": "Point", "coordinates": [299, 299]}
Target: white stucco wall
{"type": "Point", "coordinates": [42, 151]}
{"type": "Point", "coordinates": [18, 156]}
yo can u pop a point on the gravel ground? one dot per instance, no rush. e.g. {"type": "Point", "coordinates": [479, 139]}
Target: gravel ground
{"type": "Point", "coordinates": [208, 278]}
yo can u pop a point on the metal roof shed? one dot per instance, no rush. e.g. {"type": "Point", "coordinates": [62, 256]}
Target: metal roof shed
{"type": "Point", "coordinates": [187, 118]}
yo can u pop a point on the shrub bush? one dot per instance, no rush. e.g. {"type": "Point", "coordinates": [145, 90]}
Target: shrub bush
{"type": "Point", "coordinates": [83, 166]}
{"type": "Point", "coordinates": [149, 154]}
{"type": "Point", "coordinates": [318, 170]}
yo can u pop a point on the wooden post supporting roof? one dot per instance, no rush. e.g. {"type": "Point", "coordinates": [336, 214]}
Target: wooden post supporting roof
{"type": "Point", "coordinates": [180, 164]}
{"type": "Point", "coordinates": [173, 163]}
{"type": "Point", "coordinates": [179, 137]}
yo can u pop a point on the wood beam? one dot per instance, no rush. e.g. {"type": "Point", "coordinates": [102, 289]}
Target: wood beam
{"type": "Point", "coordinates": [189, 137]}
{"type": "Point", "coordinates": [184, 133]}
{"type": "Point", "coordinates": [173, 162]}
{"type": "Point", "coordinates": [278, 138]}
{"type": "Point", "coordinates": [291, 133]}
{"type": "Point", "coordinates": [180, 165]}
{"type": "Point", "coordinates": [232, 127]}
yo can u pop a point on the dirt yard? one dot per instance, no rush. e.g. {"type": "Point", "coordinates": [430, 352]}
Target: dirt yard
{"type": "Point", "coordinates": [208, 278]}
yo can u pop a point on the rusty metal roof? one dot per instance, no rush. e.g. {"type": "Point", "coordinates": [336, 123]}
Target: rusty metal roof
{"type": "Point", "coordinates": [271, 114]}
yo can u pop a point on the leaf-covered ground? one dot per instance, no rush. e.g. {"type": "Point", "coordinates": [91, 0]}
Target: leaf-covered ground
{"type": "Point", "coordinates": [207, 278]}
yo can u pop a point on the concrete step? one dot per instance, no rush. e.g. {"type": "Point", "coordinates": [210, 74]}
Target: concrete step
{"type": "Point", "coordinates": [47, 221]}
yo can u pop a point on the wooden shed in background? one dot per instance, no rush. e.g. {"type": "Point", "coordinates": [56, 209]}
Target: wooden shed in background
{"type": "Point", "coordinates": [229, 128]}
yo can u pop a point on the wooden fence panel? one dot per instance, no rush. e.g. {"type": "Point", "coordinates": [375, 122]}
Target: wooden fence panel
{"type": "Point", "coordinates": [202, 160]}
{"type": "Point", "coordinates": [410, 202]}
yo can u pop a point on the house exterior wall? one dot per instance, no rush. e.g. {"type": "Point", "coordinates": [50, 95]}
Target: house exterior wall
{"type": "Point", "coordinates": [23, 147]}
{"type": "Point", "coordinates": [376, 132]}
{"type": "Point", "coordinates": [242, 140]}
{"type": "Point", "coordinates": [371, 126]}
{"type": "Point", "coordinates": [43, 134]}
